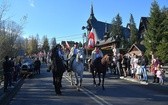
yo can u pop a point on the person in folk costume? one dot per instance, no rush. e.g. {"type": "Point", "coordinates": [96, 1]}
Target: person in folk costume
{"type": "Point", "coordinates": [155, 65]}
{"type": "Point", "coordinates": [66, 54]}
{"type": "Point", "coordinates": [58, 68]}
{"type": "Point", "coordinates": [72, 54]}
{"type": "Point", "coordinates": [115, 50]}
{"type": "Point", "coordinates": [160, 74]}
{"type": "Point", "coordinates": [96, 54]}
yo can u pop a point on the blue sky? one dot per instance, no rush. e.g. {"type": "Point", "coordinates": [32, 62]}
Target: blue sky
{"type": "Point", "coordinates": [63, 19]}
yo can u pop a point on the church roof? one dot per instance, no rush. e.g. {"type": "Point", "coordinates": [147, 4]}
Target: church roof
{"type": "Point", "coordinates": [102, 27]}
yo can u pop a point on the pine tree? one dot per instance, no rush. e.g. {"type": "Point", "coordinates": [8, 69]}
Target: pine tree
{"type": "Point", "coordinates": [45, 45]}
{"type": "Point", "coordinates": [133, 31]}
{"type": "Point", "coordinates": [116, 29]}
{"type": "Point", "coordinates": [162, 48]}
{"type": "Point", "coordinates": [53, 42]}
{"type": "Point", "coordinates": [153, 36]}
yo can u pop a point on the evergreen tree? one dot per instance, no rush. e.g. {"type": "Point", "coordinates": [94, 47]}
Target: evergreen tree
{"type": "Point", "coordinates": [162, 48]}
{"type": "Point", "coordinates": [45, 45]}
{"type": "Point", "coordinates": [116, 29]}
{"type": "Point", "coordinates": [153, 34]}
{"type": "Point", "coordinates": [53, 42]}
{"type": "Point", "coordinates": [32, 46]}
{"type": "Point", "coordinates": [133, 31]}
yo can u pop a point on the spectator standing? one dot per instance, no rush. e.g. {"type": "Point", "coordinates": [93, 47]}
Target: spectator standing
{"type": "Point", "coordinates": [119, 64]}
{"type": "Point", "coordinates": [144, 62]}
{"type": "Point", "coordinates": [154, 67]}
{"type": "Point", "coordinates": [37, 65]}
{"type": "Point", "coordinates": [7, 73]}
{"type": "Point", "coordinates": [160, 75]}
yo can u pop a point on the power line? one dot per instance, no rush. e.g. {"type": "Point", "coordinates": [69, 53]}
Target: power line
{"type": "Point", "coordinates": [75, 35]}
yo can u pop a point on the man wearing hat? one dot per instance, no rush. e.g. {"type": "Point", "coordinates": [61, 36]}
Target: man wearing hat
{"type": "Point", "coordinates": [96, 53]}
{"type": "Point", "coordinates": [73, 53]}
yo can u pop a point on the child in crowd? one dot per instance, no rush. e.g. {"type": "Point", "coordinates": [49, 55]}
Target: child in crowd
{"type": "Point", "coordinates": [160, 74]}
{"type": "Point", "coordinates": [138, 71]}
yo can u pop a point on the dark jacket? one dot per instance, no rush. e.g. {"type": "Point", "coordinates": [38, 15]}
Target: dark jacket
{"type": "Point", "coordinates": [6, 66]}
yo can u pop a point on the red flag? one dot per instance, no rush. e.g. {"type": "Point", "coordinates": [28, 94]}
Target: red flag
{"type": "Point", "coordinates": [67, 45]}
{"type": "Point", "coordinates": [91, 39]}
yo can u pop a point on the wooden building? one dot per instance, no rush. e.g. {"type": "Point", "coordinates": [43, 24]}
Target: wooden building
{"type": "Point", "coordinates": [101, 30]}
{"type": "Point", "coordinates": [137, 49]}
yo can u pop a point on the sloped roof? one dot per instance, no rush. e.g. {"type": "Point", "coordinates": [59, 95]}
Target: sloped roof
{"type": "Point", "coordinates": [102, 27]}
{"type": "Point", "coordinates": [143, 22]}
{"type": "Point", "coordinates": [140, 47]}
{"type": "Point", "coordinates": [108, 41]}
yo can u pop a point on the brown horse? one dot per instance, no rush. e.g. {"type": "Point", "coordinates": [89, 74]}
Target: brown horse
{"type": "Point", "coordinates": [100, 66]}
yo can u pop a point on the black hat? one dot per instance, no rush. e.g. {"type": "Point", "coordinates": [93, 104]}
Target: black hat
{"type": "Point", "coordinates": [76, 43]}
{"type": "Point", "coordinates": [6, 57]}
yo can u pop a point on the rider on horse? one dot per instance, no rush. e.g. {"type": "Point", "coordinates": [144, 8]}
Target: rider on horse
{"type": "Point", "coordinates": [96, 53]}
{"type": "Point", "coordinates": [72, 54]}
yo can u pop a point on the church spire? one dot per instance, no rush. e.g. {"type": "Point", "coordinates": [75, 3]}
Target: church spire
{"type": "Point", "coordinates": [92, 10]}
{"type": "Point", "coordinates": [92, 17]}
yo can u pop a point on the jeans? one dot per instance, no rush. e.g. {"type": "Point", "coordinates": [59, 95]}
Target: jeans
{"type": "Point", "coordinates": [144, 73]}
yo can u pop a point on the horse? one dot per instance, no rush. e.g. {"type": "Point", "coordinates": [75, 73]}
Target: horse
{"type": "Point", "coordinates": [77, 69]}
{"type": "Point", "coordinates": [100, 66]}
{"type": "Point", "coordinates": [58, 69]}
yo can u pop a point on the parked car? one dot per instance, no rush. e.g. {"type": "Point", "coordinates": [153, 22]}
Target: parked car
{"type": "Point", "coordinates": [27, 67]}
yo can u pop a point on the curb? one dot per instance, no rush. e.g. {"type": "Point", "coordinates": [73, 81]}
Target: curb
{"type": "Point", "coordinates": [136, 81]}
{"type": "Point", "coordinates": [152, 86]}
{"type": "Point", "coordinates": [6, 97]}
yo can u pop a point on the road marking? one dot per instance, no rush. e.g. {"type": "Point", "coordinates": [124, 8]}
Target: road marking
{"type": "Point", "coordinates": [96, 98]}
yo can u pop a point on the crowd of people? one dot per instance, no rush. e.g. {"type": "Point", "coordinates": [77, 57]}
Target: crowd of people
{"type": "Point", "coordinates": [12, 70]}
{"type": "Point", "coordinates": [137, 66]}
{"type": "Point", "coordinates": [121, 65]}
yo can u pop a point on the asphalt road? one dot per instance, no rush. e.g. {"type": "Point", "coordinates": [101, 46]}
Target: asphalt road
{"type": "Point", "coordinates": [40, 91]}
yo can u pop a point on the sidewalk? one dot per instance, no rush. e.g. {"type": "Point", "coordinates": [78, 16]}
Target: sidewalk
{"type": "Point", "coordinates": [153, 86]}
{"type": "Point", "coordinates": [6, 96]}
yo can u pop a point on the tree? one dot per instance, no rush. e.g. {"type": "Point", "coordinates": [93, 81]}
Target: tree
{"type": "Point", "coordinates": [153, 34]}
{"type": "Point", "coordinates": [133, 30]}
{"type": "Point", "coordinates": [32, 46]}
{"type": "Point", "coordinates": [45, 45]}
{"type": "Point", "coordinates": [162, 48]}
{"type": "Point", "coordinates": [116, 30]}
{"type": "Point", "coordinates": [53, 42]}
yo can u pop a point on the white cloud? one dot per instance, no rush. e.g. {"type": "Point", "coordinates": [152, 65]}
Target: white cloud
{"type": "Point", "coordinates": [31, 2]}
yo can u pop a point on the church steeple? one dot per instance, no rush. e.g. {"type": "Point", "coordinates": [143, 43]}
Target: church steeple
{"type": "Point", "coordinates": [92, 17]}
{"type": "Point", "coordinates": [92, 10]}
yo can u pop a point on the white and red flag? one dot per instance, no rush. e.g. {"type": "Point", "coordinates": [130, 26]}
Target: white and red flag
{"type": "Point", "coordinates": [92, 38]}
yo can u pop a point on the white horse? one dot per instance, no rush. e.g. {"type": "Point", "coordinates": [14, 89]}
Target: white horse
{"type": "Point", "coordinates": [78, 68]}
